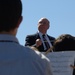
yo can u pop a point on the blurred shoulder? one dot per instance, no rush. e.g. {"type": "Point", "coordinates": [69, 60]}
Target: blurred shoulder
{"type": "Point", "coordinates": [36, 55]}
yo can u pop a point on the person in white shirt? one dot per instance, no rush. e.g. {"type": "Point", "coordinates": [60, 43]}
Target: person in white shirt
{"type": "Point", "coordinates": [16, 59]}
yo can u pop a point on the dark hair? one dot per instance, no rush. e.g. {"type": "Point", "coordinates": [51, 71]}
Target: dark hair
{"type": "Point", "coordinates": [64, 42]}
{"type": "Point", "coordinates": [10, 12]}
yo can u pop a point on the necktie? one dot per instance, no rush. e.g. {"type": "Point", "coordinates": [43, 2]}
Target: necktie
{"type": "Point", "coordinates": [46, 42]}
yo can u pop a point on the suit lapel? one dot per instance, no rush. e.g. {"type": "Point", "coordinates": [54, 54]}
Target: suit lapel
{"type": "Point", "coordinates": [37, 36]}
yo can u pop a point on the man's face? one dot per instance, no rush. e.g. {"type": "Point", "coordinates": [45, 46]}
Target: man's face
{"type": "Point", "coordinates": [43, 25]}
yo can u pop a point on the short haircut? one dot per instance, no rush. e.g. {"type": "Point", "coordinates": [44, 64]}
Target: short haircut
{"type": "Point", "coordinates": [10, 12]}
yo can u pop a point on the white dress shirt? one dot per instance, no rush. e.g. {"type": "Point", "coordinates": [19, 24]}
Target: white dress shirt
{"type": "Point", "coordinates": [16, 59]}
{"type": "Point", "coordinates": [40, 34]}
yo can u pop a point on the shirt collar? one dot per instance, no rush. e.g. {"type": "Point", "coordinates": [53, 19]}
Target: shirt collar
{"type": "Point", "coordinates": [41, 33]}
{"type": "Point", "coordinates": [8, 37]}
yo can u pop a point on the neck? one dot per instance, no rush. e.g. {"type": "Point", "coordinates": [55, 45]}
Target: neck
{"type": "Point", "coordinates": [12, 32]}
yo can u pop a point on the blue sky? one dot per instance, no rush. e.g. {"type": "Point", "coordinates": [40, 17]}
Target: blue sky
{"type": "Point", "coordinates": [61, 14]}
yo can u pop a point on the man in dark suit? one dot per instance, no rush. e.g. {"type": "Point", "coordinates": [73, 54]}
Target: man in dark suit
{"type": "Point", "coordinates": [41, 40]}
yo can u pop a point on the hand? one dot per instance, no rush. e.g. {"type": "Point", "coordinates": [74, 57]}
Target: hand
{"type": "Point", "coordinates": [38, 42]}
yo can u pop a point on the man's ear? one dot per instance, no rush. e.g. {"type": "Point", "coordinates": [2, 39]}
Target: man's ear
{"type": "Point", "coordinates": [19, 21]}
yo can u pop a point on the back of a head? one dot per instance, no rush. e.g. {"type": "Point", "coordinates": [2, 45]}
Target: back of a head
{"type": "Point", "coordinates": [10, 12]}
{"type": "Point", "coordinates": [65, 42]}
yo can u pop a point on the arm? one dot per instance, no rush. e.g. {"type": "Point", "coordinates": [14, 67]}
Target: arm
{"type": "Point", "coordinates": [30, 40]}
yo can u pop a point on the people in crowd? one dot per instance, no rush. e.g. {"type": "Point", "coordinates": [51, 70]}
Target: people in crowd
{"type": "Point", "coordinates": [64, 42]}
{"type": "Point", "coordinates": [16, 59]}
{"type": "Point", "coordinates": [41, 40]}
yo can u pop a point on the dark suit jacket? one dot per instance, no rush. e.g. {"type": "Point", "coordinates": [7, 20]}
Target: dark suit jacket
{"type": "Point", "coordinates": [31, 39]}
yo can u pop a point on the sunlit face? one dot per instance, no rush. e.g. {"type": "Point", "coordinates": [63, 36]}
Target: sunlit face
{"type": "Point", "coordinates": [43, 25]}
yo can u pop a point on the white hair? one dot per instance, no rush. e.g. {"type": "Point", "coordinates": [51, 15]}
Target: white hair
{"type": "Point", "coordinates": [43, 18]}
